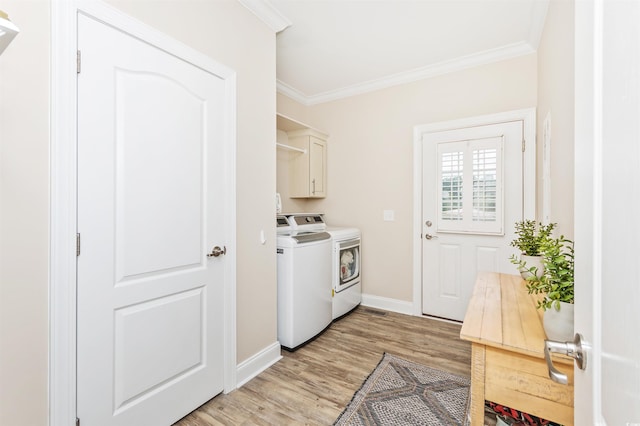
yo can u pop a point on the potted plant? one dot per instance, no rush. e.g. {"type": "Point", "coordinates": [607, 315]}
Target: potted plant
{"type": "Point", "coordinates": [530, 237]}
{"type": "Point", "coordinates": [556, 284]}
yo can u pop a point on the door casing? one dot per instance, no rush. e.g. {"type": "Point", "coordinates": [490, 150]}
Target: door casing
{"type": "Point", "coordinates": [528, 117]}
{"type": "Point", "coordinates": [63, 205]}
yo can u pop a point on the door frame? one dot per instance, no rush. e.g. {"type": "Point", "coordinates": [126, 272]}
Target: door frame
{"type": "Point", "coordinates": [528, 117]}
{"type": "Point", "coordinates": [588, 195]}
{"type": "Point", "coordinates": [63, 194]}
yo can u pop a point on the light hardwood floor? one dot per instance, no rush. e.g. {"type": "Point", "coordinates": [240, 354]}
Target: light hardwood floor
{"type": "Point", "coordinates": [312, 385]}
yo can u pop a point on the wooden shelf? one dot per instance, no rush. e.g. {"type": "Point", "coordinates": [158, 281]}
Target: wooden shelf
{"type": "Point", "coordinates": [288, 124]}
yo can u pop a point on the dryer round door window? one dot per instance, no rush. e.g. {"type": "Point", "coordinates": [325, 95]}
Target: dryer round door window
{"type": "Point", "coordinates": [349, 267]}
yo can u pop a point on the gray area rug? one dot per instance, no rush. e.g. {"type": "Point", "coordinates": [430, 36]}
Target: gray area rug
{"type": "Point", "coordinates": [400, 392]}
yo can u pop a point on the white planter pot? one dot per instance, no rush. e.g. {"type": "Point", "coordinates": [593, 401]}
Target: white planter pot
{"type": "Point", "coordinates": [531, 261]}
{"type": "Point", "coordinates": [558, 325]}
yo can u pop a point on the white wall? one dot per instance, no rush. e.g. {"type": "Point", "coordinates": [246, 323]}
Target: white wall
{"type": "Point", "coordinates": [370, 155]}
{"type": "Point", "coordinates": [222, 29]}
{"type": "Point", "coordinates": [24, 216]}
{"type": "Point", "coordinates": [556, 97]}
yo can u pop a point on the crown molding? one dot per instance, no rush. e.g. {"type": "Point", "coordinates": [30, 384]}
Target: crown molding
{"type": "Point", "coordinates": [290, 92]}
{"type": "Point", "coordinates": [441, 68]}
{"type": "Point", "coordinates": [268, 14]}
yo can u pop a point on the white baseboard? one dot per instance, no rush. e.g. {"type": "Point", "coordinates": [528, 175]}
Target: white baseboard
{"type": "Point", "coordinates": [393, 305]}
{"type": "Point", "coordinates": [259, 362]}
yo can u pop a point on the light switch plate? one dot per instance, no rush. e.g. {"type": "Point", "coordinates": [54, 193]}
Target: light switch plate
{"type": "Point", "coordinates": [388, 215]}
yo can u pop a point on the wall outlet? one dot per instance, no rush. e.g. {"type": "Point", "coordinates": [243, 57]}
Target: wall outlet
{"type": "Point", "coordinates": [388, 215]}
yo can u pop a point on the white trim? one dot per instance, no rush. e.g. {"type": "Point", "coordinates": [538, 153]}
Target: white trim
{"type": "Point", "coordinates": [528, 116]}
{"type": "Point", "coordinates": [291, 92]}
{"type": "Point", "coordinates": [546, 169]}
{"type": "Point", "coordinates": [597, 189]}
{"type": "Point", "coordinates": [598, 116]}
{"type": "Point", "coordinates": [259, 362]}
{"type": "Point", "coordinates": [417, 221]}
{"type": "Point", "coordinates": [62, 258]}
{"type": "Point", "coordinates": [230, 265]}
{"type": "Point", "coordinates": [268, 14]}
{"type": "Point", "coordinates": [589, 18]}
{"type": "Point", "coordinates": [446, 67]}
{"type": "Point", "coordinates": [387, 304]}
{"type": "Point", "coordinates": [62, 291]}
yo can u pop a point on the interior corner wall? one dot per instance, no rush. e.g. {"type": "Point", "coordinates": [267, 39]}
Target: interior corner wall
{"type": "Point", "coordinates": [556, 98]}
{"type": "Point", "coordinates": [370, 156]}
{"type": "Point", "coordinates": [293, 109]}
{"type": "Point", "coordinates": [230, 34]}
{"type": "Point", "coordinates": [289, 205]}
{"type": "Point", "coordinates": [24, 216]}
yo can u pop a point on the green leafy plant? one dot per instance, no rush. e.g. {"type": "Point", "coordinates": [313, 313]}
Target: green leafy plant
{"type": "Point", "coordinates": [557, 280]}
{"type": "Point", "coordinates": [531, 235]}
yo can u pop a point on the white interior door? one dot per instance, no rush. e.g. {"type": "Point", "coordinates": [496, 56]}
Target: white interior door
{"type": "Point", "coordinates": [150, 208]}
{"type": "Point", "coordinates": [607, 203]}
{"type": "Point", "coordinates": [472, 194]}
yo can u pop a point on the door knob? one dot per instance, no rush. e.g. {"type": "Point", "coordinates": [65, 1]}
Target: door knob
{"type": "Point", "coordinates": [430, 237]}
{"type": "Point", "coordinates": [573, 349]}
{"type": "Point", "coordinates": [217, 251]}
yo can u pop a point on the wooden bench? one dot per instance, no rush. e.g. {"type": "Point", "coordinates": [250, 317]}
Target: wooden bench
{"type": "Point", "coordinates": [507, 352]}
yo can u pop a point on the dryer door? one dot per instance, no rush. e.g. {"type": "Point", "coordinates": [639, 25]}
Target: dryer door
{"type": "Point", "coordinates": [349, 263]}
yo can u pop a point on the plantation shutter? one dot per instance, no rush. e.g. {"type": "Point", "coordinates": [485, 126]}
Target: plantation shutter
{"type": "Point", "coordinates": [470, 188]}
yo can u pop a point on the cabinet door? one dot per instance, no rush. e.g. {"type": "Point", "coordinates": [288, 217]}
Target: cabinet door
{"type": "Point", "coordinates": [317, 167]}
{"type": "Point", "coordinates": [299, 181]}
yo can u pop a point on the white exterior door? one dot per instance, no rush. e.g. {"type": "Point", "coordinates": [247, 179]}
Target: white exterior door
{"type": "Point", "coordinates": [151, 207]}
{"type": "Point", "coordinates": [472, 194]}
{"type": "Point", "coordinates": [607, 202]}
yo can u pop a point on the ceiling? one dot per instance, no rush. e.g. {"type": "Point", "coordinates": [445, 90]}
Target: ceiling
{"type": "Point", "coordinates": [338, 48]}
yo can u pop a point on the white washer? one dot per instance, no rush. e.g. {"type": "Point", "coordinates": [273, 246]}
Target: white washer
{"type": "Point", "coordinates": [304, 283]}
{"type": "Point", "coordinates": [346, 270]}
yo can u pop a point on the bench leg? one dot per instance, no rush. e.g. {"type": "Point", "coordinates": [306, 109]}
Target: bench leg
{"type": "Point", "coordinates": [477, 384]}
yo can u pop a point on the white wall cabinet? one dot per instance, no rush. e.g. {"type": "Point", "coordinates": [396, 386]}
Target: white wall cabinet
{"type": "Point", "coordinates": [307, 159]}
{"type": "Point", "coordinates": [308, 170]}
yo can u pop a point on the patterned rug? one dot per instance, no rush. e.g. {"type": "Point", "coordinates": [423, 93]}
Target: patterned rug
{"type": "Point", "coordinates": [400, 392]}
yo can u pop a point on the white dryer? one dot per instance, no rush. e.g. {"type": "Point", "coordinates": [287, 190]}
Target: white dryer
{"type": "Point", "coordinates": [346, 266]}
{"type": "Point", "coordinates": [346, 270]}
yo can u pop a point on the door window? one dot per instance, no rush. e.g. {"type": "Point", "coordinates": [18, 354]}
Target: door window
{"type": "Point", "coordinates": [470, 186]}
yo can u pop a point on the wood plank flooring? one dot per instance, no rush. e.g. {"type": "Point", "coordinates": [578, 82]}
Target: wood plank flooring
{"type": "Point", "coordinates": [313, 385]}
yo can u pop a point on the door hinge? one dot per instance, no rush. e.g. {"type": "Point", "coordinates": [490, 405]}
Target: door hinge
{"type": "Point", "coordinates": [524, 145]}
{"type": "Point", "coordinates": [78, 61]}
{"type": "Point", "coordinates": [77, 421]}
{"type": "Point", "coordinates": [77, 244]}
